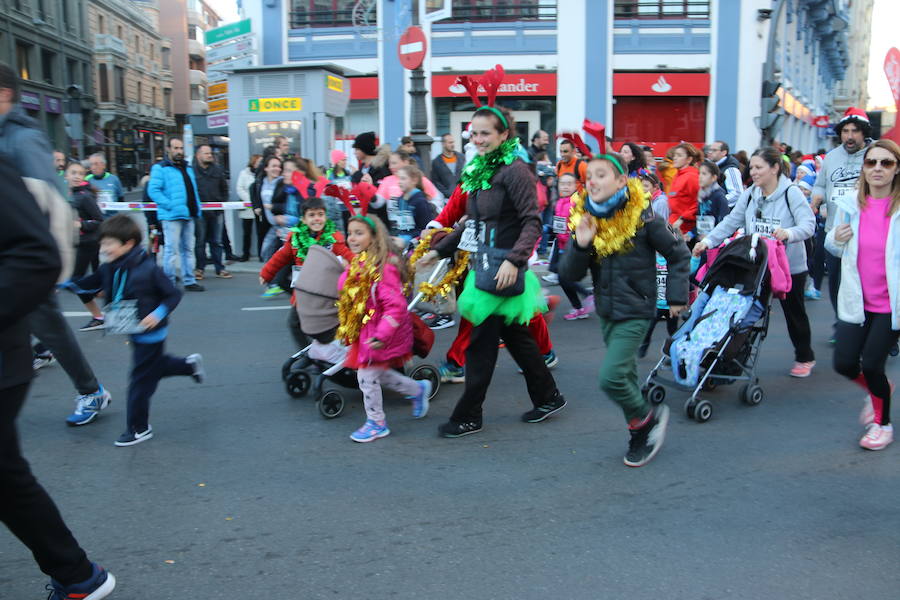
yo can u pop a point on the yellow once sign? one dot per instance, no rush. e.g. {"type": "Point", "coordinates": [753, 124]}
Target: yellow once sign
{"type": "Point", "coordinates": [334, 83]}
{"type": "Point", "coordinates": [218, 105]}
{"type": "Point", "coordinates": [275, 104]}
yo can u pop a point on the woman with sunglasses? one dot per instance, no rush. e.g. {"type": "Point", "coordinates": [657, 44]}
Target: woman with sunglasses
{"type": "Point", "coordinates": [774, 207]}
{"type": "Point", "coordinates": [867, 238]}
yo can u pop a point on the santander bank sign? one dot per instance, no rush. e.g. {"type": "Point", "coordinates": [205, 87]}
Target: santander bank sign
{"type": "Point", "coordinates": [515, 84]}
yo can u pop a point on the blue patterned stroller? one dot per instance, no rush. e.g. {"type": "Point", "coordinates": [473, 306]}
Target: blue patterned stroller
{"type": "Point", "coordinates": [718, 344]}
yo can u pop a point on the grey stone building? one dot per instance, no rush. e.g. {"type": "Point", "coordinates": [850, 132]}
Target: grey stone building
{"type": "Point", "coordinates": [47, 42]}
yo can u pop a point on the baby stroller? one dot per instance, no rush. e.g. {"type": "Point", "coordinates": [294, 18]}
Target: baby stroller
{"type": "Point", "coordinates": [718, 344]}
{"type": "Point", "coordinates": [316, 293]}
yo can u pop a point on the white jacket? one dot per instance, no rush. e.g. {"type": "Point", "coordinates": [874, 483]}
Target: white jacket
{"type": "Point", "coordinates": [850, 307]}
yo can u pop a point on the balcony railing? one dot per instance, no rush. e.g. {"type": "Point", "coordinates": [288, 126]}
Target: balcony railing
{"type": "Point", "coordinates": [104, 42]}
{"type": "Point", "coordinates": [661, 9]}
{"type": "Point", "coordinates": [465, 11]}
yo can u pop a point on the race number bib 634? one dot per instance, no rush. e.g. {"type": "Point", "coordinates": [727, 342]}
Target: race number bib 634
{"type": "Point", "coordinates": [766, 226]}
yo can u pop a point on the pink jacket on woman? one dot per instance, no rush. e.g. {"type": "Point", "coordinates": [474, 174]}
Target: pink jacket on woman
{"type": "Point", "coordinates": [390, 322]}
{"type": "Point", "coordinates": [562, 210]}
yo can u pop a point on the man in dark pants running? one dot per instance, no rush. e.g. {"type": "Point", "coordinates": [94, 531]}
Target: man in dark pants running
{"type": "Point", "coordinates": [26, 147]}
{"type": "Point", "coordinates": [29, 265]}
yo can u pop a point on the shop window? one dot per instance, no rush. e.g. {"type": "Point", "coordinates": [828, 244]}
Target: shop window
{"type": "Point", "coordinates": [661, 9]}
{"type": "Point", "coordinates": [652, 119]}
{"type": "Point", "coordinates": [23, 56]}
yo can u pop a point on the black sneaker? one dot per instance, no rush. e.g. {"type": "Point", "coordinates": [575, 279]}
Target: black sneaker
{"type": "Point", "coordinates": [545, 410]}
{"type": "Point", "coordinates": [195, 287]}
{"type": "Point", "coordinates": [130, 438]}
{"type": "Point", "coordinates": [646, 441]}
{"type": "Point", "coordinates": [452, 429]}
{"type": "Point", "coordinates": [93, 325]}
{"type": "Point", "coordinates": [441, 322]}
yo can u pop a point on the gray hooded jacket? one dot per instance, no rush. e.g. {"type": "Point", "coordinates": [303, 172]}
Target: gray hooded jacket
{"type": "Point", "coordinates": [837, 178]}
{"type": "Point", "coordinates": [24, 143]}
{"type": "Point", "coordinates": [786, 208]}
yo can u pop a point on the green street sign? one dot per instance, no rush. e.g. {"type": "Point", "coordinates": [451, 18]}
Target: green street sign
{"type": "Point", "coordinates": [227, 32]}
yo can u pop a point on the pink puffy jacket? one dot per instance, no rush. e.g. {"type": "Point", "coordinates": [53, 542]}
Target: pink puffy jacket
{"type": "Point", "coordinates": [390, 322]}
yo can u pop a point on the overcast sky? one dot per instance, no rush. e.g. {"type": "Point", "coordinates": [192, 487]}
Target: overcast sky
{"type": "Point", "coordinates": [227, 9]}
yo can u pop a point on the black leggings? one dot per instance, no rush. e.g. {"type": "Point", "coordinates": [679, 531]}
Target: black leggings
{"type": "Point", "coordinates": [864, 349]}
{"type": "Point", "coordinates": [797, 321]}
{"type": "Point", "coordinates": [86, 255]}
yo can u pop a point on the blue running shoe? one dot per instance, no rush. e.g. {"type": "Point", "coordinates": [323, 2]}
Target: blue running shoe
{"type": "Point", "coordinates": [273, 291]}
{"type": "Point", "coordinates": [451, 373]}
{"type": "Point", "coordinates": [370, 432]}
{"type": "Point", "coordinates": [100, 585]}
{"type": "Point", "coordinates": [88, 406]}
{"type": "Point", "coordinates": [420, 400]}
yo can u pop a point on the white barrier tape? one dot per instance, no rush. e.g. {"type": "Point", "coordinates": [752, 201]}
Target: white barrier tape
{"type": "Point", "coordinates": [147, 206]}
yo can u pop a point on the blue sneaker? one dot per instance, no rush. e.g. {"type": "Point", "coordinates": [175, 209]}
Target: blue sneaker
{"type": "Point", "coordinates": [451, 373]}
{"type": "Point", "coordinates": [551, 360]}
{"type": "Point", "coordinates": [420, 400]}
{"type": "Point", "coordinates": [100, 585]}
{"type": "Point", "coordinates": [370, 431]}
{"type": "Point", "coordinates": [88, 406]}
{"type": "Point", "coordinates": [812, 294]}
{"type": "Point", "coordinates": [273, 291]}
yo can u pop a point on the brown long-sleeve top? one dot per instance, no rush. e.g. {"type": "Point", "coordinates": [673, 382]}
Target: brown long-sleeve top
{"type": "Point", "coordinates": [509, 211]}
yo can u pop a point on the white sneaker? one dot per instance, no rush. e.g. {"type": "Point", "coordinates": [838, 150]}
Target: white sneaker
{"type": "Point", "coordinates": [551, 278]}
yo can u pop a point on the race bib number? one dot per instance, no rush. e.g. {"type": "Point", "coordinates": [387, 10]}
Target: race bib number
{"type": "Point", "coordinates": [705, 224]}
{"type": "Point", "coordinates": [844, 191]}
{"type": "Point", "coordinates": [765, 226]}
{"type": "Point", "coordinates": [470, 237]}
{"type": "Point", "coordinates": [559, 224]}
{"type": "Point", "coordinates": [662, 273]}
{"type": "Point", "coordinates": [401, 219]}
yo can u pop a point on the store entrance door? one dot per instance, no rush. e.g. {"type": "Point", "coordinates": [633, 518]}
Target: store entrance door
{"type": "Point", "coordinates": [527, 122]}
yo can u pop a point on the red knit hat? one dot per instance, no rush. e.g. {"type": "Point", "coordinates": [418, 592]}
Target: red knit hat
{"type": "Point", "coordinates": [857, 116]}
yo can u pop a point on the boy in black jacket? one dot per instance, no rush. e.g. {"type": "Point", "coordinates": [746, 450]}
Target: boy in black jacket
{"type": "Point", "coordinates": [127, 265]}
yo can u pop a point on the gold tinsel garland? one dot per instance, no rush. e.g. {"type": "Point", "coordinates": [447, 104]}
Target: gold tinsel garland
{"type": "Point", "coordinates": [615, 233]}
{"type": "Point", "coordinates": [450, 278]}
{"type": "Point", "coordinates": [354, 297]}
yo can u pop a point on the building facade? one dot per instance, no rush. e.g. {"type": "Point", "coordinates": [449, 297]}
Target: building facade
{"type": "Point", "coordinates": [132, 84]}
{"type": "Point", "coordinates": [48, 43]}
{"type": "Point", "coordinates": [667, 71]}
{"type": "Point", "coordinates": [184, 23]}
{"type": "Point", "coordinates": [853, 89]}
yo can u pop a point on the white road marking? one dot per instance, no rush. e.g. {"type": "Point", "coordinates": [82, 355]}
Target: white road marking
{"type": "Point", "coordinates": [69, 313]}
{"type": "Point", "coordinates": [267, 307]}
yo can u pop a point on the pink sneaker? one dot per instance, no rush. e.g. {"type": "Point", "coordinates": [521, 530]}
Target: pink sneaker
{"type": "Point", "coordinates": [877, 437]}
{"type": "Point", "coordinates": [576, 313]}
{"type": "Point", "coordinates": [802, 369]}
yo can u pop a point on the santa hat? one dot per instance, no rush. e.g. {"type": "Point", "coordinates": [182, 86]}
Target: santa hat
{"type": "Point", "coordinates": [808, 182]}
{"type": "Point", "coordinates": [809, 166]}
{"type": "Point", "coordinates": [857, 116]}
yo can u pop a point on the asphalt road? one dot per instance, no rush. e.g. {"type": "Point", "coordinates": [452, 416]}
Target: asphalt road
{"type": "Point", "coordinates": [246, 493]}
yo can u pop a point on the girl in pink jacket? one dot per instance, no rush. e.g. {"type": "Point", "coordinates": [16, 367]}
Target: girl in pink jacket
{"type": "Point", "coordinates": [375, 323]}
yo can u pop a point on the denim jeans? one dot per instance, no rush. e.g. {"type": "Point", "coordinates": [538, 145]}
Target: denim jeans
{"type": "Point", "coordinates": [179, 237]}
{"type": "Point", "coordinates": [209, 227]}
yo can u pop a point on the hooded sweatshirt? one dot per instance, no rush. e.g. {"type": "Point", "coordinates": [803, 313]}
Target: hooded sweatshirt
{"type": "Point", "coordinates": [837, 179]}
{"type": "Point", "coordinates": [786, 208]}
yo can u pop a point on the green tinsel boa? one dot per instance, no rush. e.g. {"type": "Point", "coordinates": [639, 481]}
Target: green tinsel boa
{"type": "Point", "coordinates": [477, 174]}
{"type": "Point", "coordinates": [302, 238]}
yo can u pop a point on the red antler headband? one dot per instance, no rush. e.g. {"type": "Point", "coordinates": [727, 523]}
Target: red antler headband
{"type": "Point", "coordinates": [490, 81]}
{"type": "Point", "coordinates": [598, 131]}
{"type": "Point", "coordinates": [577, 142]}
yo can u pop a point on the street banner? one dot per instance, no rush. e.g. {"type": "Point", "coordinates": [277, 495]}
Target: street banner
{"type": "Point", "coordinates": [892, 71]}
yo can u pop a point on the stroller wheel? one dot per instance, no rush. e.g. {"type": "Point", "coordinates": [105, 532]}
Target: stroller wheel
{"type": "Point", "coordinates": [709, 385]}
{"type": "Point", "coordinates": [655, 394]}
{"type": "Point", "coordinates": [430, 373]}
{"type": "Point", "coordinates": [689, 408]}
{"type": "Point", "coordinates": [291, 364]}
{"type": "Point", "coordinates": [298, 384]}
{"type": "Point", "coordinates": [703, 411]}
{"type": "Point", "coordinates": [331, 404]}
{"type": "Point", "coordinates": [752, 394]}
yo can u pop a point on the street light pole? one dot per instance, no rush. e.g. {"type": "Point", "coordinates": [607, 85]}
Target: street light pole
{"type": "Point", "coordinates": [418, 119]}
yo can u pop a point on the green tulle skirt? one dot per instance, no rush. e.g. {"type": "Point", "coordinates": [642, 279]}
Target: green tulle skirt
{"type": "Point", "coordinates": [476, 305]}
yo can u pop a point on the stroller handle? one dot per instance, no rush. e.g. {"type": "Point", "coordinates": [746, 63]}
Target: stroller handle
{"type": "Point", "coordinates": [437, 269]}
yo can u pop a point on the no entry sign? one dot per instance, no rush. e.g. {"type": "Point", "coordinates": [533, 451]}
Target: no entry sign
{"type": "Point", "coordinates": [411, 48]}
